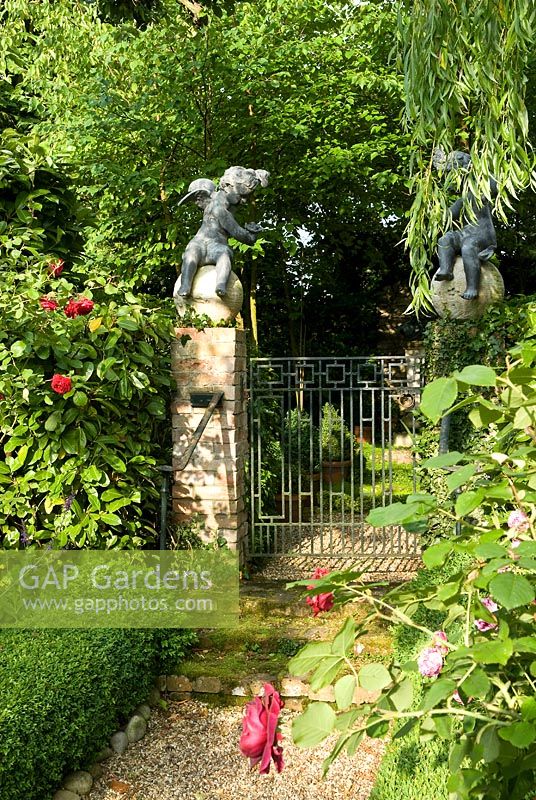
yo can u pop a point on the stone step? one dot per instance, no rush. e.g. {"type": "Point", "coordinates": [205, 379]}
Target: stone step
{"type": "Point", "coordinates": [291, 688]}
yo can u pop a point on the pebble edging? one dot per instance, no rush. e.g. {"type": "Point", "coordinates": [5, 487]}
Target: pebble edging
{"type": "Point", "coordinates": [78, 784]}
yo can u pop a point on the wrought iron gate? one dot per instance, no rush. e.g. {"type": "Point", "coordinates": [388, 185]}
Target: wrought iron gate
{"type": "Point", "coordinates": [331, 438]}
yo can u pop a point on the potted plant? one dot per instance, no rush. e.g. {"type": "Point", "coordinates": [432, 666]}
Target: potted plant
{"type": "Point", "coordinates": [336, 445]}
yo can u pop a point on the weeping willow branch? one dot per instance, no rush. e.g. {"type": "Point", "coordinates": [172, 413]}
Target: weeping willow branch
{"type": "Point", "coordinates": [465, 66]}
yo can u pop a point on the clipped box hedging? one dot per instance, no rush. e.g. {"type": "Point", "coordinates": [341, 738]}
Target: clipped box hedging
{"type": "Point", "coordinates": [62, 694]}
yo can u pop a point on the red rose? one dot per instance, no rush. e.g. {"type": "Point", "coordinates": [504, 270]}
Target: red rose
{"type": "Point", "coordinates": [61, 384]}
{"type": "Point", "coordinates": [85, 305]}
{"type": "Point", "coordinates": [75, 308]}
{"type": "Point", "coordinates": [56, 267]}
{"type": "Point", "coordinates": [320, 602]}
{"type": "Point", "coordinates": [260, 740]}
{"type": "Point", "coordinates": [47, 305]}
{"type": "Point", "coordinates": [71, 309]}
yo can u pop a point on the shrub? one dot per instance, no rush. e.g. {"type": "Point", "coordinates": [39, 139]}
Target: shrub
{"type": "Point", "coordinates": [301, 448]}
{"type": "Point", "coordinates": [84, 372]}
{"type": "Point", "coordinates": [173, 646]}
{"type": "Point", "coordinates": [62, 694]}
{"type": "Point", "coordinates": [478, 669]}
{"type": "Point", "coordinates": [451, 345]}
{"type": "Point", "coordinates": [83, 390]}
{"type": "Point", "coordinates": [335, 436]}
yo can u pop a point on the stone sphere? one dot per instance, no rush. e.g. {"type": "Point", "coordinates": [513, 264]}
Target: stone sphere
{"type": "Point", "coordinates": [447, 295]}
{"type": "Point", "coordinates": [204, 299]}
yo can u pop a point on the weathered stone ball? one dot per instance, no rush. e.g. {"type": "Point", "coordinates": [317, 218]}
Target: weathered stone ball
{"type": "Point", "coordinates": [204, 299]}
{"type": "Point", "coordinates": [447, 295]}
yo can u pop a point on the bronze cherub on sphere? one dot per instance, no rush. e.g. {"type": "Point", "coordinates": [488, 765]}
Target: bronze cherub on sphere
{"type": "Point", "coordinates": [210, 243]}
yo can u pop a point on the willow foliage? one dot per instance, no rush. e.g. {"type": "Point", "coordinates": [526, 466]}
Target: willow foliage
{"type": "Point", "coordinates": [465, 64]}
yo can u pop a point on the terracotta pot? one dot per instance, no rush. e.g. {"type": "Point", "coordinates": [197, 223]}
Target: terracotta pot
{"type": "Point", "coordinates": [363, 433]}
{"type": "Point", "coordinates": [333, 471]}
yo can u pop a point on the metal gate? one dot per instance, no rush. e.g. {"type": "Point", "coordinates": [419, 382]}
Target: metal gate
{"type": "Point", "coordinates": [330, 439]}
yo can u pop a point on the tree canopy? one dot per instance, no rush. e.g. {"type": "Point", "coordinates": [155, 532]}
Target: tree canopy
{"type": "Point", "coordinates": [139, 98]}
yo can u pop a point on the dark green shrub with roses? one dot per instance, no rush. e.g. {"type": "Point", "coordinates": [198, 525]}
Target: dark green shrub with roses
{"type": "Point", "coordinates": [84, 373]}
{"type": "Point", "coordinates": [84, 379]}
{"type": "Point", "coordinates": [479, 662]}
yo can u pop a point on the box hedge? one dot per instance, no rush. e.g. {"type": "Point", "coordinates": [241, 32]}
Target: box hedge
{"type": "Point", "coordinates": [62, 694]}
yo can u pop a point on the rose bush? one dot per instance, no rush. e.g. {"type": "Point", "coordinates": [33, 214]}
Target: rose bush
{"type": "Point", "coordinates": [490, 668]}
{"type": "Point", "coordinates": [83, 395]}
{"type": "Point", "coordinates": [83, 413]}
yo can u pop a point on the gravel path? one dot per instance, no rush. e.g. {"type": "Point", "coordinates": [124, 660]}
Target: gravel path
{"type": "Point", "coordinates": [191, 753]}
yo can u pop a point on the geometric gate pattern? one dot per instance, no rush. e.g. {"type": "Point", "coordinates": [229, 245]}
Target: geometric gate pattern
{"type": "Point", "coordinates": [330, 439]}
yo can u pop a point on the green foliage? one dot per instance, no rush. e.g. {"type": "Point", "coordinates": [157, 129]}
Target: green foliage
{"type": "Point", "coordinates": [78, 467]}
{"type": "Point", "coordinates": [450, 346]}
{"type": "Point", "coordinates": [335, 436]}
{"type": "Point", "coordinates": [465, 70]}
{"type": "Point", "coordinates": [292, 88]}
{"type": "Point", "coordinates": [453, 344]}
{"type": "Point", "coordinates": [63, 693]}
{"type": "Point", "coordinates": [487, 651]}
{"type": "Point", "coordinates": [300, 443]}
{"type": "Point", "coordinates": [173, 646]}
{"type": "Point", "coordinates": [39, 214]}
{"type": "Point", "coordinates": [412, 769]}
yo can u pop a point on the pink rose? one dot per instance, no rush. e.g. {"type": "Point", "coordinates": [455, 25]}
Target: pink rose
{"type": "Point", "coordinates": [320, 602]}
{"type": "Point", "coordinates": [430, 662]}
{"type": "Point", "coordinates": [490, 604]}
{"type": "Point", "coordinates": [47, 304]}
{"type": "Point", "coordinates": [320, 572]}
{"type": "Point", "coordinates": [518, 521]}
{"type": "Point", "coordinates": [484, 626]}
{"type": "Point", "coordinates": [56, 267]}
{"type": "Point", "coordinates": [260, 740]}
{"type": "Point", "coordinates": [439, 642]}
{"type": "Point", "coordinates": [61, 384]}
{"type": "Point", "coordinates": [492, 607]}
{"type": "Point", "coordinates": [457, 699]}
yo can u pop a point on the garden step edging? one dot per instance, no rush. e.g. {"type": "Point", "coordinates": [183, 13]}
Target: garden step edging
{"type": "Point", "coordinates": [181, 687]}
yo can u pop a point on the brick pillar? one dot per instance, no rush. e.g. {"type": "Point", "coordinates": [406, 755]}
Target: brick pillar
{"type": "Point", "coordinates": [212, 486]}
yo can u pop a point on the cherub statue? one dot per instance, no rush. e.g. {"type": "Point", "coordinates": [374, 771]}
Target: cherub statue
{"type": "Point", "coordinates": [209, 245]}
{"type": "Point", "coordinates": [473, 238]}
